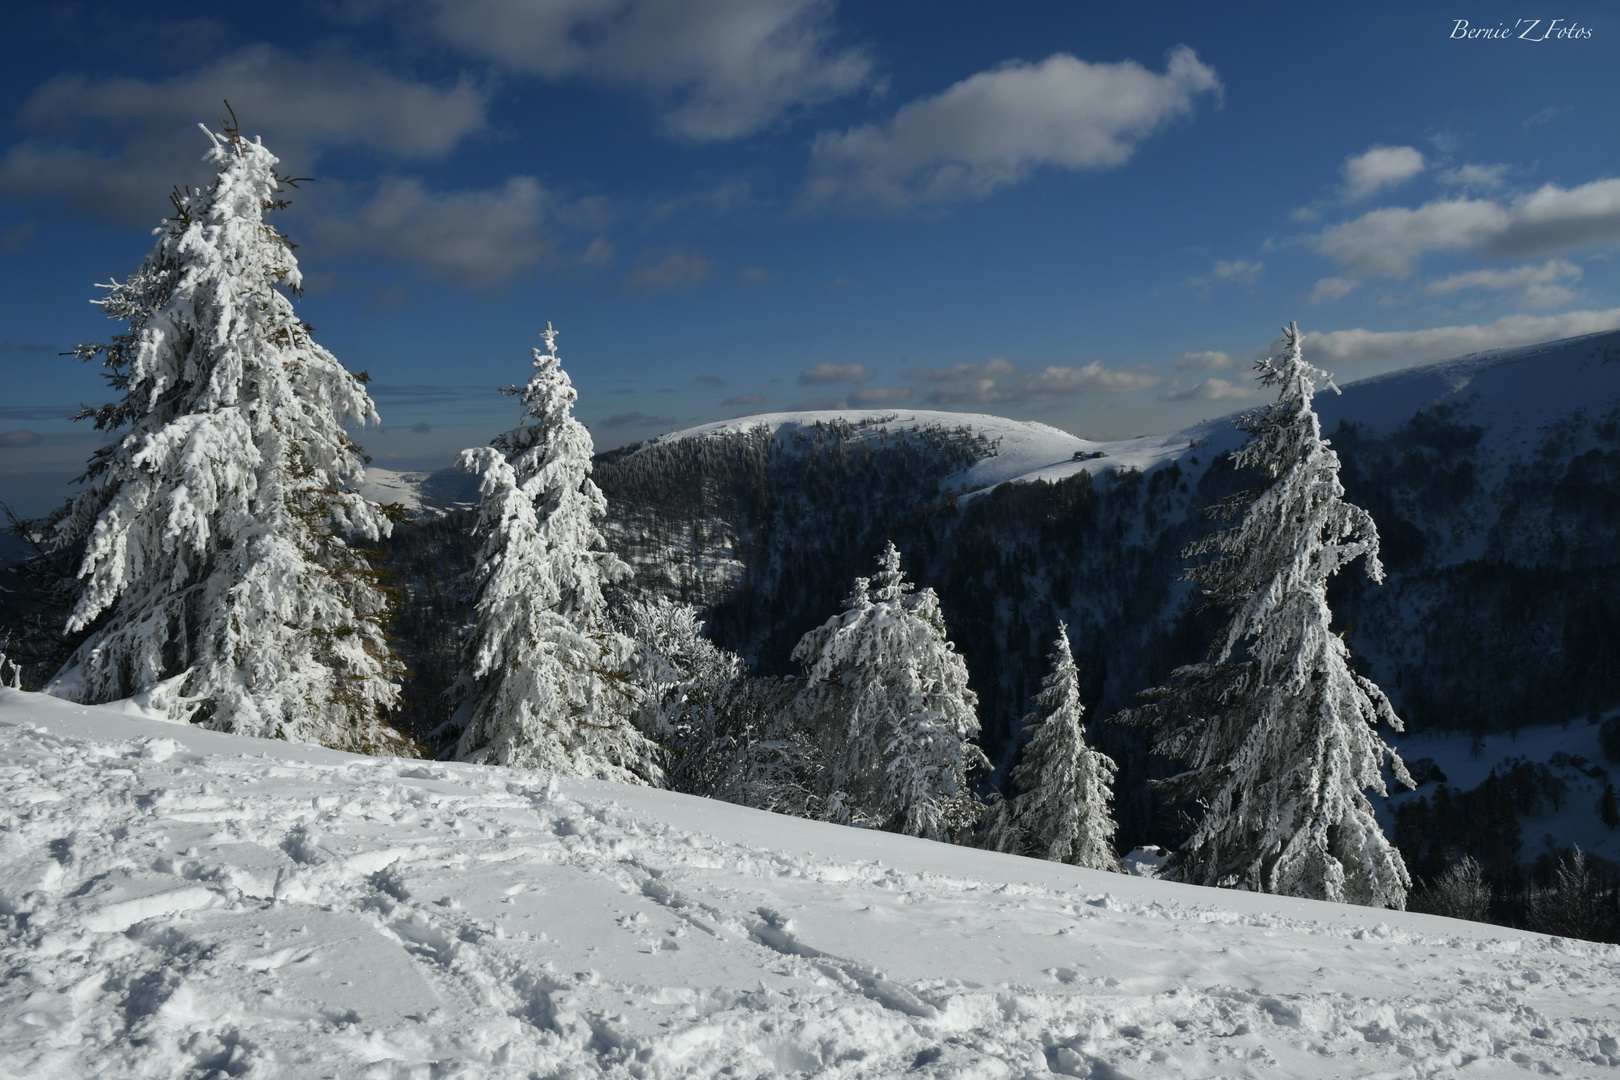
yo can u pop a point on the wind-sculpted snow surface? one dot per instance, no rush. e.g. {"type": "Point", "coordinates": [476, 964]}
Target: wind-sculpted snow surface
{"type": "Point", "coordinates": [178, 902]}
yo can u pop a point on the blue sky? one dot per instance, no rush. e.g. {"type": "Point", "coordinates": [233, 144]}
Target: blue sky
{"type": "Point", "coordinates": [1091, 215]}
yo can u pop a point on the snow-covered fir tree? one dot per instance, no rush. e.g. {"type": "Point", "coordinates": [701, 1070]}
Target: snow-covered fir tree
{"type": "Point", "coordinates": [217, 581]}
{"type": "Point", "coordinates": [887, 694]}
{"type": "Point", "coordinates": [544, 681]}
{"type": "Point", "coordinates": [1276, 730]}
{"type": "Point", "coordinates": [1066, 788]}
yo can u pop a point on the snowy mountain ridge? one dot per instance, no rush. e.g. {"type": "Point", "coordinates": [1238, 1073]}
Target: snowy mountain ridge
{"type": "Point", "coordinates": [1516, 390]}
{"type": "Point", "coordinates": [183, 902]}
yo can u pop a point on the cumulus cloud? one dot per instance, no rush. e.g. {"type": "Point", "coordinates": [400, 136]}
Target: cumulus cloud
{"type": "Point", "coordinates": [1554, 219]}
{"type": "Point", "coordinates": [998, 380]}
{"type": "Point", "coordinates": [1390, 242]}
{"type": "Point", "coordinates": [1540, 283]}
{"type": "Point", "coordinates": [1381, 167]}
{"type": "Point", "coordinates": [1332, 288]}
{"type": "Point", "coordinates": [1439, 343]}
{"type": "Point", "coordinates": [476, 239]}
{"type": "Point", "coordinates": [111, 149]}
{"type": "Point", "coordinates": [1212, 359]}
{"type": "Point", "coordinates": [996, 127]}
{"type": "Point", "coordinates": [1210, 390]}
{"type": "Point", "coordinates": [677, 271]}
{"type": "Point", "coordinates": [826, 374]}
{"type": "Point", "coordinates": [717, 69]}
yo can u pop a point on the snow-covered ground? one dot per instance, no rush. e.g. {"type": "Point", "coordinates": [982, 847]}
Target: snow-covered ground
{"type": "Point", "coordinates": [423, 494]}
{"type": "Point", "coordinates": [182, 903]}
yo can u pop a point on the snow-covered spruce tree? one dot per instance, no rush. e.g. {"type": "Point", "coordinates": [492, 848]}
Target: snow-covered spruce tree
{"type": "Point", "coordinates": [1066, 788]}
{"type": "Point", "coordinates": [887, 695]}
{"type": "Point", "coordinates": [1276, 730]}
{"type": "Point", "coordinates": [216, 579]}
{"type": "Point", "coordinates": [544, 681]}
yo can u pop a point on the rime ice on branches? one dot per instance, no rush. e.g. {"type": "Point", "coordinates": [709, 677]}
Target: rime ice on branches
{"type": "Point", "coordinates": [1276, 730]}
{"type": "Point", "coordinates": [543, 676]}
{"type": "Point", "coordinates": [888, 697]}
{"type": "Point", "coordinates": [1063, 812]}
{"type": "Point", "coordinates": [217, 579]}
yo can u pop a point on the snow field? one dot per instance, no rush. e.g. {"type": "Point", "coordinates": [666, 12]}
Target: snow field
{"type": "Point", "coordinates": [178, 902]}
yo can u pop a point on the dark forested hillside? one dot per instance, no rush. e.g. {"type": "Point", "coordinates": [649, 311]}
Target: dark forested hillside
{"type": "Point", "coordinates": [1495, 483]}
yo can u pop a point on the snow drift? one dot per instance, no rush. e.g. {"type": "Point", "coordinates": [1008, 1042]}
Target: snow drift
{"type": "Point", "coordinates": [178, 902]}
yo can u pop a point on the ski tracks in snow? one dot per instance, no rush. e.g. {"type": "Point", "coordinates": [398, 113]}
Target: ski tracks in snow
{"type": "Point", "coordinates": [176, 912]}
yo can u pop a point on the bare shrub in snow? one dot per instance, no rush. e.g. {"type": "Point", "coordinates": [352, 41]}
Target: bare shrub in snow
{"type": "Point", "coordinates": [1578, 905]}
{"type": "Point", "coordinates": [1461, 892]}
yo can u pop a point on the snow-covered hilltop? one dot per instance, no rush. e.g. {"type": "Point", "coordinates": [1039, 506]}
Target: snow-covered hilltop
{"type": "Point", "coordinates": [1513, 393]}
{"type": "Point", "coordinates": [184, 902]}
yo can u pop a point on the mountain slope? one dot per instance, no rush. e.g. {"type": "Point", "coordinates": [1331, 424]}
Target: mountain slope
{"type": "Point", "coordinates": [180, 902]}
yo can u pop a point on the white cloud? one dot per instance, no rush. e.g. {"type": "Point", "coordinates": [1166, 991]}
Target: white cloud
{"type": "Point", "coordinates": [1390, 242]}
{"type": "Point", "coordinates": [998, 380]}
{"type": "Point", "coordinates": [1488, 177]}
{"type": "Point", "coordinates": [477, 239]}
{"type": "Point", "coordinates": [1540, 283]}
{"type": "Point", "coordinates": [1210, 390]}
{"type": "Point", "coordinates": [1442, 342]}
{"type": "Point", "coordinates": [1211, 360]}
{"type": "Point", "coordinates": [826, 374]}
{"type": "Point", "coordinates": [718, 69]}
{"type": "Point", "coordinates": [1379, 168]}
{"type": "Point", "coordinates": [676, 271]}
{"type": "Point", "coordinates": [299, 106]}
{"type": "Point", "coordinates": [1554, 219]}
{"type": "Point", "coordinates": [998, 126]}
{"type": "Point", "coordinates": [1332, 288]}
